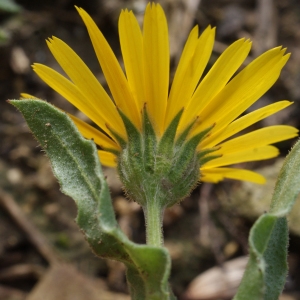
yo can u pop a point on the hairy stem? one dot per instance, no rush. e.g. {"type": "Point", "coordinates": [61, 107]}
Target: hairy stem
{"type": "Point", "coordinates": [154, 217]}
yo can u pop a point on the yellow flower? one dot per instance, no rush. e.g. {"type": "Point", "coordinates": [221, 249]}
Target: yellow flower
{"type": "Point", "coordinates": [217, 101]}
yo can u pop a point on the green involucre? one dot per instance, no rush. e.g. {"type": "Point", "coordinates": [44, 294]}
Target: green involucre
{"type": "Point", "coordinates": [166, 169]}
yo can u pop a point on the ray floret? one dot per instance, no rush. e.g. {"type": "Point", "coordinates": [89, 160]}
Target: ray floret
{"type": "Point", "coordinates": [177, 134]}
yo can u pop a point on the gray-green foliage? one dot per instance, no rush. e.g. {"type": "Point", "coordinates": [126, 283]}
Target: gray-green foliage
{"type": "Point", "coordinates": [76, 165]}
{"type": "Point", "coordinates": [9, 6]}
{"type": "Point", "coordinates": [266, 271]}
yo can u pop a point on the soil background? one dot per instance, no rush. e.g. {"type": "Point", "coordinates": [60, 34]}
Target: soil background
{"type": "Point", "coordinates": [42, 253]}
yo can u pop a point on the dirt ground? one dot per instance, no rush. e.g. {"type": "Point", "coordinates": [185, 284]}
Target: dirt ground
{"type": "Point", "coordinates": [42, 253]}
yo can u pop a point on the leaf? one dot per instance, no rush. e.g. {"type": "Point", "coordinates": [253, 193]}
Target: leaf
{"type": "Point", "coordinates": [287, 186]}
{"type": "Point", "coordinates": [76, 165]}
{"type": "Point", "coordinates": [266, 271]}
{"type": "Point", "coordinates": [9, 6]}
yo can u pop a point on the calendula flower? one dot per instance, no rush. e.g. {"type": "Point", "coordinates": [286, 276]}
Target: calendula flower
{"type": "Point", "coordinates": [170, 137]}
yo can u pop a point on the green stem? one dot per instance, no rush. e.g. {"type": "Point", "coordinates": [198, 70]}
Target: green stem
{"type": "Point", "coordinates": [154, 217]}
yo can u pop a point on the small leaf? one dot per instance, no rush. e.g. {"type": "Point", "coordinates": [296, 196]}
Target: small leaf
{"type": "Point", "coordinates": [9, 6]}
{"type": "Point", "coordinates": [266, 271]}
{"type": "Point", "coordinates": [288, 183]}
{"type": "Point", "coordinates": [265, 274]}
{"type": "Point", "coordinates": [76, 165]}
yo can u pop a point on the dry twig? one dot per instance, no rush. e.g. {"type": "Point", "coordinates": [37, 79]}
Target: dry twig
{"type": "Point", "coordinates": [32, 233]}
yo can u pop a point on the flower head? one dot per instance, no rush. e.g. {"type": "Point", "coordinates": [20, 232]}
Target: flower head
{"type": "Point", "coordinates": [176, 136]}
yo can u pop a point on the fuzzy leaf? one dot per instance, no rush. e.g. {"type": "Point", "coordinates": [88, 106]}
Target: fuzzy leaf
{"type": "Point", "coordinates": [76, 165]}
{"type": "Point", "coordinates": [9, 6]}
{"type": "Point", "coordinates": [266, 271]}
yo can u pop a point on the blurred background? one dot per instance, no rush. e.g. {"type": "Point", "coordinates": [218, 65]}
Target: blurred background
{"type": "Point", "coordinates": [42, 253]}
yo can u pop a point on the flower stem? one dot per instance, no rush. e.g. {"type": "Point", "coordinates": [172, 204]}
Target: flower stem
{"type": "Point", "coordinates": [154, 217]}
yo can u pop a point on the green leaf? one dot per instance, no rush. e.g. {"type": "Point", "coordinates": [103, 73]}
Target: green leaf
{"type": "Point", "coordinates": [287, 187]}
{"type": "Point", "coordinates": [9, 6]}
{"type": "Point", "coordinates": [76, 165]}
{"type": "Point", "coordinates": [265, 274]}
{"type": "Point", "coordinates": [266, 271]}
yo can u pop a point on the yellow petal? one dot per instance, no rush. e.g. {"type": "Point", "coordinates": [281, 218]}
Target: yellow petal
{"type": "Point", "coordinates": [243, 122]}
{"type": "Point", "coordinates": [258, 138]}
{"type": "Point", "coordinates": [107, 159]}
{"type": "Point", "coordinates": [96, 110]}
{"type": "Point", "coordinates": [212, 178]}
{"type": "Point", "coordinates": [86, 82]}
{"type": "Point", "coordinates": [28, 96]}
{"type": "Point", "coordinates": [156, 63]}
{"type": "Point", "coordinates": [218, 76]}
{"type": "Point", "coordinates": [90, 132]}
{"type": "Point", "coordinates": [243, 90]}
{"type": "Point", "coordinates": [112, 71]}
{"type": "Point", "coordinates": [68, 90]}
{"type": "Point", "coordinates": [131, 40]}
{"type": "Point", "coordinates": [218, 174]}
{"type": "Point", "coordinates": [253, 154]}
{"type": "Point", "coordinates": [193, 61]}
